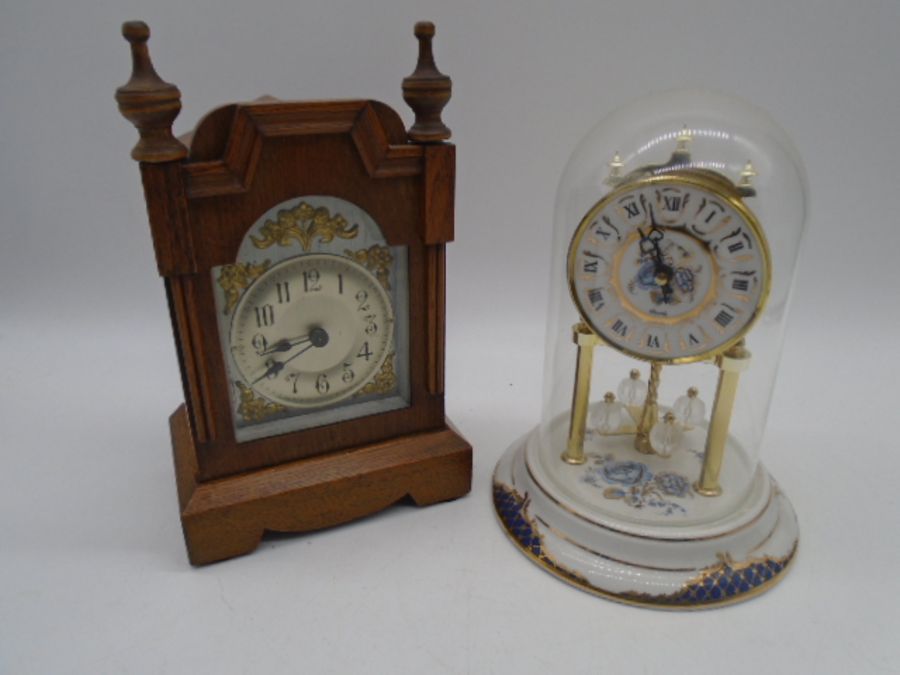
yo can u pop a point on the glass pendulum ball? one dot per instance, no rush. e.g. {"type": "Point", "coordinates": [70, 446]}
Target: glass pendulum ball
{"type": "Point", "coordinates": [608, 414]}
{"type": "Point", "coordinates": [677, 227]}
{"type": "Point", "coordinates": [689, 409]}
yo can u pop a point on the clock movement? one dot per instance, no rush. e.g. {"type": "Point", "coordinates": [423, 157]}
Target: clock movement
{"type": "Point", "coordinates": [302, 248]}
{"type": "Point", "coordinates": [678, 222]}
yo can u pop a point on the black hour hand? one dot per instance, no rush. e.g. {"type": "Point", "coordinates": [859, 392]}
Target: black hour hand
{"type": "Point", "coordinates": [274, 368]}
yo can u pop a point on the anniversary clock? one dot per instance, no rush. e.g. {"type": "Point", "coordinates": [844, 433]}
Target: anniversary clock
{"type": "Point", "coordinates": [677, 228]}
{"type": "Point", "coordinates": [302, 247]}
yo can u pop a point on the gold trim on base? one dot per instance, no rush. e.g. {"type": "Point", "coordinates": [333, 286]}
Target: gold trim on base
{"type": "Point", "coordinates": [707, 492]}
{"type": "Point", "coordinates": [638, 599]}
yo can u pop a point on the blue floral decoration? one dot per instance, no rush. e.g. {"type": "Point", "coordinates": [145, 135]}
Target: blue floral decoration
{"type": "Point", "coordinates": [684, 279]}
{"type": "Point", "coordinates": [634, 483]}
{"type": "Point", "coordinates": [646, 276]}
{"type": "Point", "coordinates": [626, 473]}
{"type": "Point", "coordinates": [673, 484]}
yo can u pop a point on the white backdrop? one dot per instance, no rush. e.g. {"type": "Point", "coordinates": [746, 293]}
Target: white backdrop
{"type": "Point", "coordinates": [93, 575]}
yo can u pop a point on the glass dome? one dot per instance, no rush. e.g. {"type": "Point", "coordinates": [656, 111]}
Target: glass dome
{"type": "Point", "coordinates": [636, 159]}
{"type": "Point", "coordinates": [677, 226]}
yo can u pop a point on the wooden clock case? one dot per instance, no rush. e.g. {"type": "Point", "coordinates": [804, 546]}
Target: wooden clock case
{"type": "Point", "coordinates": [203, 192]}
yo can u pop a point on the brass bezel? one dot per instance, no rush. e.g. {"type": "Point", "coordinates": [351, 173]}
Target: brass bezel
{"type": "Point", "coordinates": [719, 186]}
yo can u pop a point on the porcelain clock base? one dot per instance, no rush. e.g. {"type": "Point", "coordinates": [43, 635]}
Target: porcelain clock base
{"type": "Point", "coordinates": [693, 566]}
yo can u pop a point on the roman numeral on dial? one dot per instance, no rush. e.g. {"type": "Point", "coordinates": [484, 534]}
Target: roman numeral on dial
{"type": "Point", "coordinates": [669, 268]}
{"type": "Point", "coordinates": [672, 202]}
{"type": "Point", "coordinates": [620, 327]}
{"type": "Point", "coordinates": [632, 209]}
{"type": "Point", "coordinates": [724, 317]}
{"type": "Point", "coordinates": [595, 296]}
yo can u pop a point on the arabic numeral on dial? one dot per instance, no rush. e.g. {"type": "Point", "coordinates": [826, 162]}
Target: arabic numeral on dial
{"type": "Point", "coordinates": [371, 326]}
{"type": "Point", "coordinates": [284, 292]}
{"type": "Point", "coordinates": [322, 385]}
{"type": "Point", "coordinates": [348, 374]}
{"type": "Point", "coordinates": [364, 352]}
{"type": "Point", "coordinates": [265, 315]}
{"type": "Point", "coordinates": [294, 379]}
{"type": "Point", "coordinates": [362, 297]}
{"type": "Point", "coordinates": [311, 281]}
{"type": "Point", "coordinates": [259, 343]}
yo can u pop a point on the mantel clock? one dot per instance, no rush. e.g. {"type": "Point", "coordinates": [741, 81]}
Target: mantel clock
{"type": "Point", "coordinates": [677, 228]}
{"type": "Point", "coordinates": [302, 247]}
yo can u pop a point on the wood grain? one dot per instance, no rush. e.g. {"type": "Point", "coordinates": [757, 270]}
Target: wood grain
{"type": "Point", "coordinates": [244, 159]}
{"type": "Point", "coordinates": [228, 517]}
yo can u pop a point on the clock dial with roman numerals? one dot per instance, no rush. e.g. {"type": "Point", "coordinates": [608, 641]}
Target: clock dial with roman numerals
{"type": "Point", "coordinates": [670, 268]}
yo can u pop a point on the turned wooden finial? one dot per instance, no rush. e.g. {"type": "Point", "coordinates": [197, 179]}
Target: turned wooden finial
{"type": "Point", "coordinates": [148, 102]}
{"type": "Point", "coordinates": [427, 91]}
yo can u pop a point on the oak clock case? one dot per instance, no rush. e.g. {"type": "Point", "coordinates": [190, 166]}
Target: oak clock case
{"type": "Point", "coordinates": [677, 226]}
{"type": "Point", "coordinates": [302, 247]}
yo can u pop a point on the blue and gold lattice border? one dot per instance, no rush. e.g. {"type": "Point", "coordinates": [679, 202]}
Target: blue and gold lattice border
{"type": "Point", "coordinates": [722, 583]}
{"type": "Point", "coordinates": [511, 506]}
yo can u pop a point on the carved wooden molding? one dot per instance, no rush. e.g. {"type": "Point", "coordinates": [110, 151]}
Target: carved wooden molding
{"type": "Point", "coordinates": [253, 123]}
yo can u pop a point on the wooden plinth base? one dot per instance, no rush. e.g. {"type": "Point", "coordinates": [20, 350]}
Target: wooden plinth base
{"type": "Point", "coordinates": [225, 518]}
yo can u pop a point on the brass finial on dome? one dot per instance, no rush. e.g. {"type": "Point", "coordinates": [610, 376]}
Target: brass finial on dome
{"type": "Point", "coordinates": [615, 170]}
{"type": "Point", "coordinates": [683, 141]}
{"type": "Point", "coordinates": [745, 184]}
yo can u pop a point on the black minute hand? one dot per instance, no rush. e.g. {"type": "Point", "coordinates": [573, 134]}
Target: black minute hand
{"type": "Point", "coordinates": [284, 345]}
{"type": "Point", "coordinates": [318, 337]}
{"type": "Point", "coordinates": [650, 245]}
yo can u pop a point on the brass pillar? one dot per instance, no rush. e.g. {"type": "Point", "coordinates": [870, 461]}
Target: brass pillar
{"type": "Point", "coordinates": [731, 363]}
{"type": "Point", "coordinates": [581, 394]}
